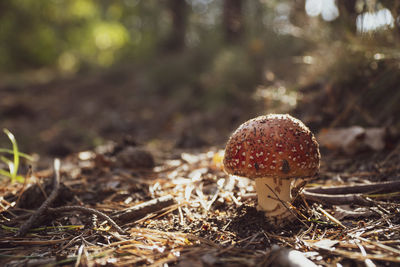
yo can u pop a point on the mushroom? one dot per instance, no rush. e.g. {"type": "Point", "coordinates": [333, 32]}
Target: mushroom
{"type": "Point", "coordinates": [275, 150]}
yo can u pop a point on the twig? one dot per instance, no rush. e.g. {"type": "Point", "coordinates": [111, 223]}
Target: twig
{"type": "Point", "coordinates": [284, 204]}
{"type": "Point", "coordinates": [45, 205]}
{"type": "Point", "coordinates": [387, 187]}
{"type": "Point", "coordinates": [337, 199]}
{"type": "Point", "coordinates": [87, 210]}
{"type": "Point", "coordinates": [143, 209]}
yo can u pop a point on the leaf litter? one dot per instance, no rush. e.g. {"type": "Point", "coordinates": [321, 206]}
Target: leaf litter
{"type": "Point", "coordinates": [187, 211]}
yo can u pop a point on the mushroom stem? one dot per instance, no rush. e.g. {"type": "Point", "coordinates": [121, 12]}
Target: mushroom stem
{"type": "Point", "coordinates": [267, 199]}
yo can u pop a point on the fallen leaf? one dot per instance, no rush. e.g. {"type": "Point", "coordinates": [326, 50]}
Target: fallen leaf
{"type": "Point", "coordinates": [353, 139]}
{"type": "Point", "coordinates": [289, 258]}
{"type": "Point", "coordinates": [209, 259]}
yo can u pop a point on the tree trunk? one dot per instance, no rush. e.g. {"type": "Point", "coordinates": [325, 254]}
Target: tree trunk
{"type": "Point", "coordinates": [233, 20]}
{"type": "Point", "coordinates": [348, 14]}
{"type": "Point", "coordinates": [176, 38]}
{"type": "Point", "coordinates": [394, 7]}
{"type": "Point", "coordinates": [298, 16]}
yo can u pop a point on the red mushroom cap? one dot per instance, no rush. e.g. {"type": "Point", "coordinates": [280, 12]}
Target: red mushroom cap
{"type": "Point", "coordinates": [274, 145]}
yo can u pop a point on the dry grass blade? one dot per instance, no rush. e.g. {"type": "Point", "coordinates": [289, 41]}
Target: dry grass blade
{"type": "Point", "coordinates": [331, 218]}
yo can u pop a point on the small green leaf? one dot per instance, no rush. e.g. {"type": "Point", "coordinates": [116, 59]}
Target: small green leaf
{"type": "Point", "coordinates": [5, 173]}
{"type": "Point", "coordinates": [9, 151]}
{"type": "Point", "coordinates": [14, 168]}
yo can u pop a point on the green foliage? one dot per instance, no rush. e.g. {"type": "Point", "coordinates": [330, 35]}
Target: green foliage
{"type": "Point", "coordinates": [13, 165]}
{"type": "Point", "coordinates": [66, 34]}
{"type": "Point", "coordinates": [232, 77]}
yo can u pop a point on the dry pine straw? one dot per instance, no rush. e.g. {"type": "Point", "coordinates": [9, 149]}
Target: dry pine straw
{"type": "Point", "coordinates": [212, 221]}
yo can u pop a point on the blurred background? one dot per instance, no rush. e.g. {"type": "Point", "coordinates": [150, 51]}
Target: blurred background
{"type": "Point", "coordinates": [184, 74]}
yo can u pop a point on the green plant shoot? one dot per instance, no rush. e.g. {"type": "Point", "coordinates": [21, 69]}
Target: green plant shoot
{"type": "Point", "coordinates": [13, 165]}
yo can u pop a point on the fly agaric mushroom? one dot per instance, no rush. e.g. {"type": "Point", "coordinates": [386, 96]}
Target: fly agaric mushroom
{"type": "Point", "coordinates": [274, 150]}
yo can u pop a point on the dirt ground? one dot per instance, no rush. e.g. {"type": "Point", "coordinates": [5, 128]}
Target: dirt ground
{"type": "Point", "coordinates": [74, 114]}
{"type": "Point", "coordinates": [162, 149]}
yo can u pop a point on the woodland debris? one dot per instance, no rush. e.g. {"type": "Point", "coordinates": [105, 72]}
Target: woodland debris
{"type": "Point", "coordinates": [135, 158]}
{"type": "Point", "coordinates": [288, 258]}
{"type": "Point", "coordinates": [326, 199]}
{"type": "Point", "coordinates": [141, 210]}
{"type": "Point", "coordinates": [383, 187]}
{"type": "Point", "coordinates": [346, 211]}
{"type": "Point", "coordinates": [28, 224]}
{"type": "Point", "coordinates": [353, 139]}
{"type": "Point", "coordinates": [220, 234]}
{"type": "Point", "coordinates": [330, 217]}
{"type": "Point", "coordinates": [86, 210]}
{"type": "Point", "coordinates": [45, 209]}
{"type": "Point", "coordinates": [349, 194]}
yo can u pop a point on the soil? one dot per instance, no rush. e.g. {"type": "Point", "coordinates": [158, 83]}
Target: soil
{"type": "Point", "coordinates": [141, 145]}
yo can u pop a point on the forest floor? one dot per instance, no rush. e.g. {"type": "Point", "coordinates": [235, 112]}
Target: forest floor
{"type": "Point", "coordinates": [161, 181]}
